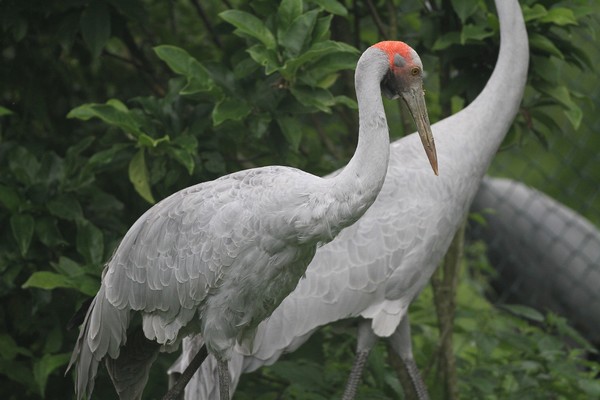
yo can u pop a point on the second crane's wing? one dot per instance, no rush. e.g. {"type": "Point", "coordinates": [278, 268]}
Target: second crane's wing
{"type": "Point", "coordinates": [351, 274]}
{"type": "Point", "coordinates": [183, 247]}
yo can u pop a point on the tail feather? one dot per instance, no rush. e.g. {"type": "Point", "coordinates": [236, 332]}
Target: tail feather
{"type": "Point", "coordinates": [103, 332]}
{"type": "Point", "coordinates": [129, 373]}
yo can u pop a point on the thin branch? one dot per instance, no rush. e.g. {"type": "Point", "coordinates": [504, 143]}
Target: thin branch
{"type": "Point", "coordinates": [377, 19]}
{"type": "Point", "coordinates": [207, 23]}
{"type": "Point", "coordinates": [393, 20]}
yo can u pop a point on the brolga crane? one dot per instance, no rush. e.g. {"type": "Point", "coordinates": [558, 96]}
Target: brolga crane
{"type": "Point", "coordinates": [546, 255]}
{"type": "Point", "coordinates": [217, 258]}
{"type": "Point", "coordinates": [375, 268]}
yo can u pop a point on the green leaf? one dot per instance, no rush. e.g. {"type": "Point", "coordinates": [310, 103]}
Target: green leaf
{"type": "Point", "coordinates": [446, 40]}
{"type": "Point", "coordinates": [332, 6]}
{"type": "Point", "coordinates": [90, 242]}
{"type": "Point", "coordinates": [318, 50]}
{"type": "Point", "coordinates": [523, 311]}
{"type": "Point", "coordinates": [65, 206]}
{"type": "Point", "coordinates": [465, 8]}
{"type": "Point", "coordinates": [45, 366]}
{"type": "Point", "coordinates": [67, 267]}
{"type": "Point", "coordinates": [148, 141]}
{"type": "Point", "coordinates": [9, 198]}
{"type": "Point", "coordinates": [95, 26]}
{"type": "Point", "coordinates": [533, 13]}
{"type": "Point", "coordinates": [288, 11]}
{"type": "Point", "coordinates": [265, 57]}
{"type": "Point", "coordinates": [559, 16]}
{"type": "Point", "coordinates": [5, 111]}
{"type": "Point", "coordinates": [537, 41]}
{"type": "Point", "coordinates": [48, 280]}
{"type": "Point", "coordinates": [113, 112]}
{"type": "Point", "coordinates": [181, 62]}
{"type": "Point", "coordinates": [22, 226]}
{"type": "Point", "coordinates": [230, 109]}
{"type": "Point", "coordinates": [183, 157]}
{"type": "Point", "coordinates": [250, 25]}
{"type": "Point", "coordinates": [8, 347]}
{"type": "Point", "coordinates": [298, 34]}
{"type": "Point", "coordinates": [318, 98]}
{"type": "Point", "coordinates": [474, 32]}
{"type": "Point", "coordinates": [24, 165]}
{"type": "Point", "coordinates": [292, 130]}
{"type": "Point", "coordinates": [47, 231]}
{"type": "Point", "coordinates": [138, 175]}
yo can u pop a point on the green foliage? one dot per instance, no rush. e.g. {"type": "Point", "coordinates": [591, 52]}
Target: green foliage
{"type": "Point", "coordinates": [109, 106]}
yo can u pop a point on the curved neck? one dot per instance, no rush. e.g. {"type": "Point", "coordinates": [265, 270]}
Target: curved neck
{"type": "Point", "coordinates": [501, 97]}
{"type": "Point", "coordinates": [360, 181]}
{"type": "Point", "coordinates": [478, 129]}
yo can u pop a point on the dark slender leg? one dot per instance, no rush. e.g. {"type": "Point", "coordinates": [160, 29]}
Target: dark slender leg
{"type": "Point", "coordinates": [401, 344]}
{"type": "Point", "coordinates": [224, 379]}
{"type": "Point", "coordinates": [175, 391]}
{"type": "Point", "coordinates": [365, 342]}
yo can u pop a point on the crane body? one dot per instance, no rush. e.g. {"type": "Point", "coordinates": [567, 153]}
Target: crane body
{"type": "Point", "coordinates": [217, 258]}
{"type": "Point", "coordinates": [375, 268]}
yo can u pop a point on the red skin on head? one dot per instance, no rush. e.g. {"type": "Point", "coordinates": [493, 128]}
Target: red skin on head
{"type": "Point", "coordinates": [392, 47]}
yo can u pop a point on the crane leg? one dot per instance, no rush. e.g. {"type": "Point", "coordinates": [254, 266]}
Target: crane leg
{"type": "Point", "coordinates": [400, 343]}
{"type": "Point", "coordinates": [174, 393]}
{"type": "Point", "coordinates": [365, 341]}
{"type": "Point", "coordinates": [224, 380]}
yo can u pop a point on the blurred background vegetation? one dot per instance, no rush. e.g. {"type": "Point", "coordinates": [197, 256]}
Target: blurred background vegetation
{"type": "Point", "coordinates": [107, 106]}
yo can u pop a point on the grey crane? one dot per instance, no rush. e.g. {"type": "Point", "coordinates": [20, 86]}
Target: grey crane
{"type": "Point", "coordinates": [375, 268]}
{"type": "Point", "coordinates": [218, 257]}
{"type": "Point", "coordinates": [547, 256]}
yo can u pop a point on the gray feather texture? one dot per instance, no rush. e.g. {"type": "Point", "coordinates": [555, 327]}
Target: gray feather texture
{"type": "Point", "coordinates": [375, 268]}
{"type": "Point", "coordinates": [217, 258]}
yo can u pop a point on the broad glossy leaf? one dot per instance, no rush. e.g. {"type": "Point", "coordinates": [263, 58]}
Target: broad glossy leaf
{"type": "Point", "coordinates": [322, 29]}
{"type": "Point", "coordinates": [48, 280]}
{"type": "Point", "coordinates": [47, 231]}
{"type": "Point", "coordinates": [265, 57]}
{"type": "Point", "coordinates": [5, 111]}
{"type": "Point", "coordinates": [523, 311]}
{"type": "Point", "coordinates": [183, 157]}
{"type": "Point", "coordinates": [332, 6]}
{"type": "Point", "coordinates": [9, 198]}
{"type": "Point", "coordinates": [199, 79]}
{"type": "Point", "coordinates": [474, 32]}
{"type": "Point", "coordinates": [65, 206]}
{"type": "Point", "coordinates": [24, 165]}
{"type": "Point", "coordinates": [230, 109]}
{"type": "Point", "coordinates": [95, 26]}
{"type": "Point", "coordinates": [320, 99]}
{"type": "Point", "coordinates": [559, 16]}
{"type": "Point", "coordinates": [533, 13]}
{"type": "Point", "coordinates": [90, 242]}
{"type": "Point", "coordinates": [148, 141]}
{"type": "Point", "coordinates": [317, 51]}
{"type": "Point", "coordinates": [68, 267]}
{"type": "Point", "coordinates": [45, 366]}
{"type": "Point", "coordinates": [22, 226]}
{"type": "Point", "coordinates": [250, 25]}
{"type": "Point", "coordinates": [465, 8]}
{"type": "Point", "coordinates": [288, 11]}
{"type": "Point", "coordinates": [537, 41]}
{"type": "Point", "coordinates": [113, 113]}
{"type": "Point", "coordinates": [138, 175]}
{"type": "Point", "coordinates": [446, 41]}
{"type": "Point", "coordinates": [298, 34]}
{"type": "Point", "coordinates": [291, 129]}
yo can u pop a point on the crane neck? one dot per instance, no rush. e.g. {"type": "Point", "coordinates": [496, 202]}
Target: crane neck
{"type": "Point", "coordinates": [500, 99]}
{"type": "Point", "coordinates": [361, 180]}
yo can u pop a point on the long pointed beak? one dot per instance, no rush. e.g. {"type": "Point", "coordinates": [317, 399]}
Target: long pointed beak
{"type": "Point", "coordinates": [415, 100]}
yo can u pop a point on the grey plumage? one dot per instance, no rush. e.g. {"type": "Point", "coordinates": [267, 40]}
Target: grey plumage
{"type": "Point", "coordinates": [375, 268]}
{"type": "Point", "coordinates": [218, 257]}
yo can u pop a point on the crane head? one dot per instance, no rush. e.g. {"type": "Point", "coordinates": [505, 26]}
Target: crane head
{"type": "Point", "coordinates": [404, 79]}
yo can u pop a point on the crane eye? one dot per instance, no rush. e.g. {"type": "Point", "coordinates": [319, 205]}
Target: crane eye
{"type": "Point", "coordinates": [415, 71]}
